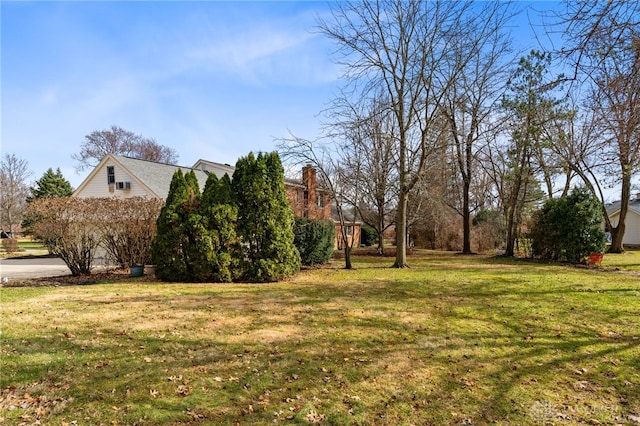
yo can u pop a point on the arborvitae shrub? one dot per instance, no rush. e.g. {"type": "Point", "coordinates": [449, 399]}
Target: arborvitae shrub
{"type": "Point", "coordinates": [167, 250]}
{"type": "Point", "coordinates": [314, 239]}
{"type": "Point", "coordinates": [222, 219]}
{"type": "Point", "coordinates": [265, 219]}
{"type": "Point", "coordinates": [236, 229]}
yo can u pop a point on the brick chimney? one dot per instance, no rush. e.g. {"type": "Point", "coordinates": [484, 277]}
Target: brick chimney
{"type": "Point", "coordinates": [310, 194]}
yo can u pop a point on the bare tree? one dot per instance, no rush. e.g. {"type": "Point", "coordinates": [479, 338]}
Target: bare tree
{"type": "Point", "coordinates": [402, 48]}
{"type": "Point", "coordinates": [615, 98]}
{"type": "Point", "coordinates": [472, 101]}
{"type": "Point", "coordinates": [326, 159]}
{"type": "Point", "coordinates": [117, 140]}
{"type": "Point", "coordinates": [128, 227]}
{"type": "Point", "coordinates": [14, 191]}
{"type": "Point", "coordinates": [580, 145]}
{"type": "Point", "coordinates": [368, 156]}
{"type": "Point", "coordinates": [593, 31]}
{"type": "Point", "coordinates": [602, 45]}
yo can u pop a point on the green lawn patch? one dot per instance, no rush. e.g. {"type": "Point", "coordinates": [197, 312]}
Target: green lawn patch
{"type": "Point", "coordinates": [629, 260]}
{"type": "Point", "coordinates": [26, 247]}
{"type": "Point", "coordinates": [451, 340]}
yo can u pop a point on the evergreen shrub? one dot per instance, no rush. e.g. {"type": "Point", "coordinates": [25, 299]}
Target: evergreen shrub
{"type": "Point", "coordinates": [314, 239]}
{"type": "Point", "coordinates": [568, 229]}
{"type": "Point", "coordinates": [368, 236]}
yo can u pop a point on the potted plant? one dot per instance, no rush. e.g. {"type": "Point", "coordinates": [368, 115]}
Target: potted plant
{"type": "Point", "coordinates": [139, 243]}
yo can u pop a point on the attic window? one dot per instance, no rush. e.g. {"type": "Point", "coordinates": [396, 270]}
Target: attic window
{"type": "Point", "coordinates": [111, 175]}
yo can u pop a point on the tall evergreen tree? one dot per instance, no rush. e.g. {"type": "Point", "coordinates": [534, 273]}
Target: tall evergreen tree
{"type": "Point", "coordinates": [221, 219]}
{"type": "Point", "coordinates": [50, 185]}
{"type": "Point", "coordinates": [217, 191]}
{"type": "Point", "coordinates": [265, 219]}
{"type": "Point", "coordinates": [196, 242]}
{"type": "Point", "coordinates": [192, 182]}
{"type": "Point", "coordinates": [167, 247]}
{"type": "Point", "coordinates": [531, 108]}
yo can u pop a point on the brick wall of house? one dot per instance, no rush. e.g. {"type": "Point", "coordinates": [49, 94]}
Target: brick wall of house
{"type": "Point", "coordinates": [353, 236]}
{"type": "Point", "coordinates": [294, 195]}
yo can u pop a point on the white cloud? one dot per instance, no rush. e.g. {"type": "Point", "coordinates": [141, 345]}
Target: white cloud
{"type": "Point", "coordinates": [281, 52]}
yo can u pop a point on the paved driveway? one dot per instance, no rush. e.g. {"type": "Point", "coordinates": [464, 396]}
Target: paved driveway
{"type": "Point", "coordinates": [34, 267]}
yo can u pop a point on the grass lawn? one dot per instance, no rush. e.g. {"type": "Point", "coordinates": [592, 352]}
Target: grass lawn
{"type": "Point", "coordinates": [27, 247]}
{"type": "Point", "coordinates": [452, 340]}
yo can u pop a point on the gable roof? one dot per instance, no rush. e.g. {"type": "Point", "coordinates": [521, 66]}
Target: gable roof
{"type": "Point", "coordinates": [218, 169]}
{"type": "Point", "coordinates": [634, 206]}
{"type": "Point", "coordinates": [156, 177]}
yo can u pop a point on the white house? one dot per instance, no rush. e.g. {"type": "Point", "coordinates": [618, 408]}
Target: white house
{"type": "Point", "coordinates": [124, 177]}
{"type": "Point", "coordinates": [632, 222]}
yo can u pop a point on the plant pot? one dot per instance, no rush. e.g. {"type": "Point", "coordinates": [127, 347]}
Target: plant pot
{"type": "Point", "coordinates": [149, 269]}
{"type": "Point", "coordinates": [136, 271]}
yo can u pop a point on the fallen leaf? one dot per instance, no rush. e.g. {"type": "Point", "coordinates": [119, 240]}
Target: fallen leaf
{"type": "Point", "coordinates": [314, 417]}
{"type": "Point", "coordinates": [183, 390]}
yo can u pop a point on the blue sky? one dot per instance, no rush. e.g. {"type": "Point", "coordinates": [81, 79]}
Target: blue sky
{"type": "Point", "coordinates": [213, 80]}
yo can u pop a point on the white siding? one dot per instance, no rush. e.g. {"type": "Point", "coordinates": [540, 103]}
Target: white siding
{"type": "Point", "coordinates": [632, 227]}
{"type": "Point", "coordinates": [218, 169]}
{"type": "Point", "coordinates": [97, 185]}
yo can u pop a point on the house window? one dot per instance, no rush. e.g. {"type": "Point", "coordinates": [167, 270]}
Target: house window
{"type": "Point", "coordinates": [321, 200]}
{"type": "Point", "coordinates": [349, 230]}
{"type": "Point", "coordinates": [111, 175]}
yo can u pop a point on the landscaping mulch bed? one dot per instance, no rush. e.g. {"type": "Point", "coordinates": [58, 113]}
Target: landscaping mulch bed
{"type": "Point", "coordinates": [110, 276]}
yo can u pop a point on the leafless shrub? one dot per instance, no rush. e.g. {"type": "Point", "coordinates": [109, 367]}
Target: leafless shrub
{"type": "Point", "coordinates": [10, 245]}
{"type": "Point", "coordinates": [67, 227]}
{"type": "Point", "coordinates": [128, 229]}
{"type": "Point", "coordinates": [74, 229]}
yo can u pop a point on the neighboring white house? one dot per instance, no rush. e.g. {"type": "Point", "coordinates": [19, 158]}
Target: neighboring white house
{"type": "Point", "coordinates": [125, 177]}
{"type": "Point", "coordinates": [632, 222]}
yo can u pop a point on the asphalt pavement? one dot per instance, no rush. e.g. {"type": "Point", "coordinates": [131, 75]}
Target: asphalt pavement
{"type": "Point", "coordinates": [32, 267]}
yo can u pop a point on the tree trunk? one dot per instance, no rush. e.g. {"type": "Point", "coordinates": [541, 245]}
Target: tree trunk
{"type": "Point", "coordinates": [10, 225]}
{"type": "Point", "coordinates": [511, 238]}
{"type": "Point", "coordinates": [617, 233]}
{"type": "Point", "coordinates": [401, 213]}
{"type": "Point", "coordinates": [347, 257]}
{"type": "Point", "coordinates": [401, 232]}
{"type": "Point", "coordinates": [511, 220]}
{"type": "Point", "coordinates": [380, 233]}
{"type": "Point", "coordinates": [466, 218]}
